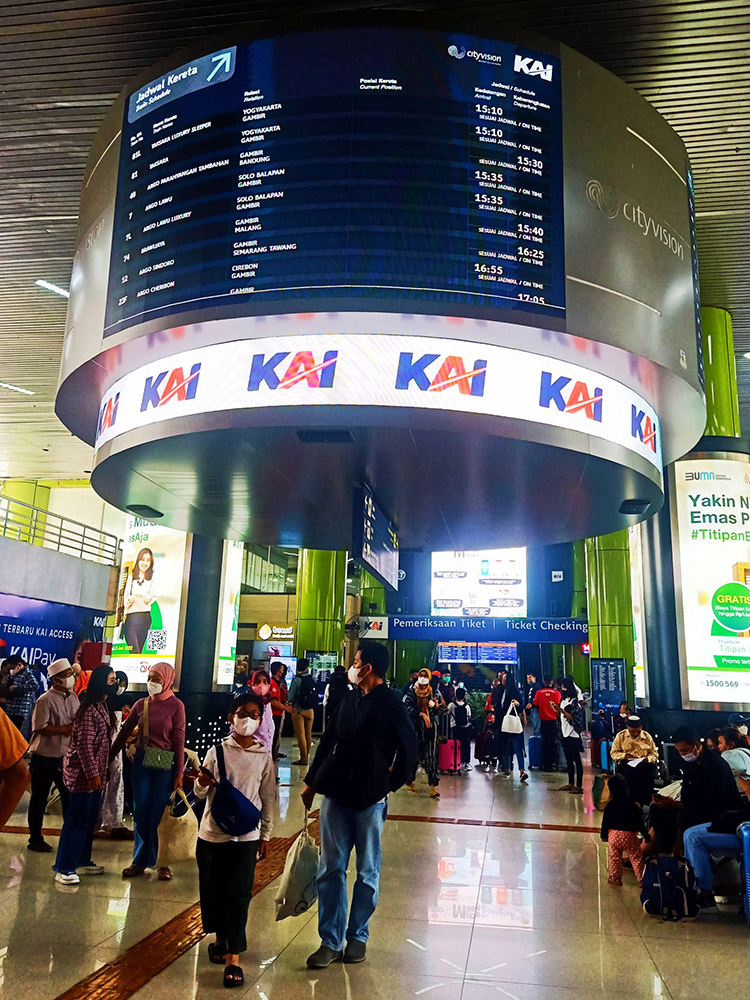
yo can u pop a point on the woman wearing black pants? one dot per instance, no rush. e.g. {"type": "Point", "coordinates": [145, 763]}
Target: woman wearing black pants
{"type": "Point", "coordinates": [571, 725]}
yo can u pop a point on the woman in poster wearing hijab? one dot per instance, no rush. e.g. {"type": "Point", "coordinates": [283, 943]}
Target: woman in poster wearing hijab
{"type": "Point", "coordinates": [137, 600]}
{"type": "Point", "coordinates": [158, 764]}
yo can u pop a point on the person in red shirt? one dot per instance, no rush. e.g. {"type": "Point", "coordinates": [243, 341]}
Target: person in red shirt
{"type": "Point", "coordinates": [279, 706]}
{"type": "Point", "coordinates": [546, 700]}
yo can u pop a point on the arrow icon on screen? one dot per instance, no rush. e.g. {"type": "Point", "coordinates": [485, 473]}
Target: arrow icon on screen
{"type": "Point", "coordinates": [223, 61]}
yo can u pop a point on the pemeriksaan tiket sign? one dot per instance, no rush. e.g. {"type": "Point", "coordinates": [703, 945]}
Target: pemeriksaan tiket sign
{"type": "Point", "coordinates": [563, 630]}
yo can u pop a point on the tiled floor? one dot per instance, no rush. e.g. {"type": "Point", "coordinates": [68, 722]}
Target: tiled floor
{"type": "Point", "coordinates": [467, 912]}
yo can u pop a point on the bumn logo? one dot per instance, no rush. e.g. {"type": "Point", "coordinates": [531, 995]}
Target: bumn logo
{"type": "Point", "coordinates": [689, 476]}
{"type": "Point", "coordinates": [533, 67]}
{"type": "Point", "coordinates": [302, 368]}
{"type": "Point", "coordinates": [578, 399]}
{"type": "Point", "coordinates": [107, 414]}
{"type": "Point", "coordinates": [643, 428]}
{"type": "Point", "coordinates": [451, 372]}
{"type": "Point", "coordinates": [177, 386]}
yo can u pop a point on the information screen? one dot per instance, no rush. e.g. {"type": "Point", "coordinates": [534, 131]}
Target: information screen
{"type": "Point", "coordinates": [374, 539]}
{"type": "Point", "coordinates": [358, 164]}
{"type": "Point", "coordinates": [484, 584]}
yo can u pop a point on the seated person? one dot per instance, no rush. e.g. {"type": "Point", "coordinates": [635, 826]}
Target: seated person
{"type": "Point", "coordinates": [733, 747]}
{"type": "Point", "coordinates": [619, 722]}
{"type": "Point", "coordinates": [635, 755]}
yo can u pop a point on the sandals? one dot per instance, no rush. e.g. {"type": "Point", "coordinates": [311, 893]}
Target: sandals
{"type": "Point", "coordinates": [216, 955]}
{"type": "Point", "coordinates": [165, 874]}
{"type": "Point", "coordinates": [233, 977]}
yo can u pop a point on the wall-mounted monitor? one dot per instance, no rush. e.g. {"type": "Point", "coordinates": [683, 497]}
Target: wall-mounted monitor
{"type": "Point", "coordinates": [485, 584]}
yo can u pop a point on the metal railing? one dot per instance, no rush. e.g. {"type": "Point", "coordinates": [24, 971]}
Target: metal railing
{"type": "Point", "coordinates": [35, 526]}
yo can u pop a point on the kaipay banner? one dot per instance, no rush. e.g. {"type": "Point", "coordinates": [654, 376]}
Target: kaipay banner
{"type": "Point", "coordinates": [43, 631]}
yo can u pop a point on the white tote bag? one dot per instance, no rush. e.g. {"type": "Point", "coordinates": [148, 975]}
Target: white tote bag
{"type": "Point", "coordinates": [512, 722]}
{"type": "Point", "coordinates": [297, 889]}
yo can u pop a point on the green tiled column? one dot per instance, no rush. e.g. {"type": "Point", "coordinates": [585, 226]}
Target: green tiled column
{"type": "Point", "coordinates": [610, 606]}
{"type": "Point", "coordinates": [321, 600]}
{"type": "Point", "coordinates": [722, 401]}
{"type": "Point", "coordinates": [576, 663]}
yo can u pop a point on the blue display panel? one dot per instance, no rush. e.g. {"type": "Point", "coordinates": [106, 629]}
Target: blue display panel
{"type": "Point", "coordinates": [375, 165]}
{"type": "Point", "coordinates": [457, 652]}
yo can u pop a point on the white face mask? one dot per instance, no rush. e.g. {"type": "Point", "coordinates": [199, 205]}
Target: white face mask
{"type": "Point", "coordinates": [14, 671]}
{"type": "Point", "coordinates": [154, 687]}
{"type": "Point", "coordinates": [69, 682]}
{"type": "Point", "coordinates": [353, 675]}
{"type": "Point", "coordinates": [246, 726]}
{"type": "Point", "coordinates": [689, 757]}
{"type": "Point", "coordinates": [121, 689]}
{"type": "Point", "coordinates": [423, 680]}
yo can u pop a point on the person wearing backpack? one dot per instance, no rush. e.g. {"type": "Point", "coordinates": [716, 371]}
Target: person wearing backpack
{"type": "Point", "coordinates": [240, 768]}
{"type": "Point", "coordinates": [460, 721]}
{"type": "Point", "coordinates": [571, 726]}
{"type": "Point", "coordinates": [303, 697]}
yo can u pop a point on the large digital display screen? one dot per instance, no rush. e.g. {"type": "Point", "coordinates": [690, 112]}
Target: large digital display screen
{"type": "Point", "coordinates": [485, 584]}
{"type": "Point", "coordinates": [380, 164]}
{"type": "Point", "coordinates": [712, 565]}
{"type": "Point", "coordinates": [374, 539]}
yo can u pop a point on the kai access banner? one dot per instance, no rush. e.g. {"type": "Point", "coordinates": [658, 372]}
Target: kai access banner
{"type": "Point", "coordinates": [43, 631]}
{"type": "Point", "coordinates": [392, 371]}
{"type": "Point", "coordinates": [711, 521]}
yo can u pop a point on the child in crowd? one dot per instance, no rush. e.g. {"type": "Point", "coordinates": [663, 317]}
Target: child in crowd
{"type": "Point", "coordinates": [226, 864]}
{"type": "Point", "coordinates": [622, 822]}
{"type": "Point", "coordinates": [460, 721]}
{"type": "Point", "coordinates": [486, 749]}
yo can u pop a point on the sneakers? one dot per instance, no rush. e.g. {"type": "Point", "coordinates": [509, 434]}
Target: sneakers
{"type": "Point", "coordinates": [91, 869]}
{"type": "Point", "coordinates": [467, 767]}
{"type": "Point", "coordinates": [524, 776]}
{"type": "Point", "coordinates": [323, 957]}
{"type": "Point", "coordinates": [707, 901]}
{"type": "Point", "coordinates": [40, 846]}
{"type": "Point", "coordinates": [356, 951]}
{"type": "Point", "coordinates": [67, 879]}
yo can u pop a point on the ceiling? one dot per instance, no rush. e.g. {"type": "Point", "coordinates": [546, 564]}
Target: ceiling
{"type": "Point", "coordinates": [63, 63]}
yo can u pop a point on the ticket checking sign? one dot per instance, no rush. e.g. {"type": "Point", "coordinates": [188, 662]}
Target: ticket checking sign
{"type": "Point", "coordinates": [268, 633]}
{"type": "Point", "coordinates": [381, 370]}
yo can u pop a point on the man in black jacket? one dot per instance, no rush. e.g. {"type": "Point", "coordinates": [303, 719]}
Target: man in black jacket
{"type": "Point", "coordinates": [368, 750]}
{"type": "Point", "coordinates": [336, 688]}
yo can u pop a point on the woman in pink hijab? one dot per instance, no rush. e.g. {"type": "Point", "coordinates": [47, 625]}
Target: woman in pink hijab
{"type": "Point", "coordinates": [158, 764]}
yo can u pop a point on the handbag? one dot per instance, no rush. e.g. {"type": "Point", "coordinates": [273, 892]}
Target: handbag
{"type": "Point", "coordinates": [298, 889]}
{"type": "Point", "coordinates": [154, 758]}
{"type": "Point", "coordinates": [177, 831]}
{"type": "Point", "coordinates": [512, 723]}
{"type": "Point", "coordinates": [233, 812]}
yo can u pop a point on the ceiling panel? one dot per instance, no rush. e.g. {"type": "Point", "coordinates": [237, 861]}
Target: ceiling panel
{"type": "Point", "coordinates": [63, 63]}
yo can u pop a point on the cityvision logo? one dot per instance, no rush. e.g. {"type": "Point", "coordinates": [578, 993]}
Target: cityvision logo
{"type": "Point", "coordinates": [604, 198]}
{"type": "Point", "coordinates": [460, 52]}
{"type": "Point", "coordinates": [577, 399]}
{"type": "Point", "coordinates": [302, 368]}
{"type": "Point", "coordinates": [533, 67]}
{"type": "Point", "coordinates": [451, 372]}
{"type": "Point", "coordinates": [107, 414]}
{"type": "Point", "coordinates": [177, 386]}
{"type": "Point", "coordinates": [643, 428]}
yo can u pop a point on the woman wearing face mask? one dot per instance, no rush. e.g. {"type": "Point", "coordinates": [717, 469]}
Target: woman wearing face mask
{"type": "Point", "coordinates": [113, 805]}
{"type": "Point", "coordinates": [226, 865]}
{"type": "Point", "coordinates": [424, 705]}
{"type": "Point", "coordinates": [85, 773]}
{"type": "Point", "coordinates": [260, 684]}
{"type": "Point", "coordinates": [158, 764]}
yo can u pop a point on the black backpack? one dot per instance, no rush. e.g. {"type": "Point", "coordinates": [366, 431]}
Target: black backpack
{"type": "Point", "coordinates": [460, 715]}
{"type": "Point", "coordinates": [308, 692]}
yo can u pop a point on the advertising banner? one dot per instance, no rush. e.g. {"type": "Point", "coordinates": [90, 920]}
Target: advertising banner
{"type": "Point", "coordinates": [150, 598]}
{"type": "Point", "coordinates": [487, 584]}
{"type": "Point", "coordinates": [229, 611]}
{"type": "Point", "coordinates": [711, 530]}
{"type": "Point", "coordinates": [43, 631]}
{"type": "Point", "coordinates": [639, 615]}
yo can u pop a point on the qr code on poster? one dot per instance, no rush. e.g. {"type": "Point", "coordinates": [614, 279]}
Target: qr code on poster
{"type": "Point", "coordinates": [156, 641]}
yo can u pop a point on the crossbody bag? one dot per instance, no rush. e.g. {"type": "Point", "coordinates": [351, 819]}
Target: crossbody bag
{"type": "Point", "coordinates": [154, 758]}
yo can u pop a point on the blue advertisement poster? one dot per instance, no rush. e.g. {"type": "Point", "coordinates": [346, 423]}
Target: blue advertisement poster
{"type": "Point", "coordinates": [43, 631]}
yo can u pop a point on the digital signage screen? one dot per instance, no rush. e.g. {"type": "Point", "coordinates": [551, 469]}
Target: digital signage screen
{"type": "Point", "coordinates": [370, 164]}
{"type": "Point", "coordinates": [485, 584]}
{"type": "Point", "coordinates": [711, 529]}
{"type": "Point", "coordinates": [375, 542]}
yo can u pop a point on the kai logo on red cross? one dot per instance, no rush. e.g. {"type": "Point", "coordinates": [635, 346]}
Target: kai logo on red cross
{"type": "Point", "coordinates": [643, 428]}
{"type": "Point", "coordinates": [177, 386]}
{"type": "Point", "coordinates": [107, 414]}
{"type": "Point", "coordinates": [577, 399]}
{"type": "Point", "coordinates": [302, 368]}
{"type": "Point", "coordinates": [451, 373]}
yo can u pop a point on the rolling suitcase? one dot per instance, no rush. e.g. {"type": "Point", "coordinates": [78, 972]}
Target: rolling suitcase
{"type": "Point", "coordinates": [743, 831]}
{"type": "Point", "coordinates": [535, 752]}
{"type": "Point", "coordinates": [449, 756]}
{"type": "Point", "coordinates": [604, 753]}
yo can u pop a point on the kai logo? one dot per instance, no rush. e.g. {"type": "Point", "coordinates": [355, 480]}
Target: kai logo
{"type": "Point", "coordinates": [451, 372]}
{"type": "Point", "coordinates": [533, 67]}
{"type": "Point", "coordinates": [577, 399]}
{"type": "Point", "coordinates": [642, 427]}
{"type": "Point", "coordinates": [158, 392]}
{"type": "Point", "coordinates": [107, 414]}
{"type": "Point", "coordinates": [302, 368]}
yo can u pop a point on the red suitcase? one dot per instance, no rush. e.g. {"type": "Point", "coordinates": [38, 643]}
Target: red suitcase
{"type": "Point", "coordinates": [449, 756]}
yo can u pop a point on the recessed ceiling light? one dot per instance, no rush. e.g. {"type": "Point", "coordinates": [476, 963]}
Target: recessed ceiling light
{"type": "Point", "coordinates": [52, 288]}
{"type": "Point", "coordinates": [16, 388]}
{"type": "Point", "coordinates": [746, 355]}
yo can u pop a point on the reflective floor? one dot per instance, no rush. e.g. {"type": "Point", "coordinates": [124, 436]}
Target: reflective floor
{"type": "Point", "coordinates": [466, 912]}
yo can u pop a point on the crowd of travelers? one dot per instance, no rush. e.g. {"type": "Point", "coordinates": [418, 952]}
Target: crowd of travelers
{"type": "Point", "coordinates": [83, 737]}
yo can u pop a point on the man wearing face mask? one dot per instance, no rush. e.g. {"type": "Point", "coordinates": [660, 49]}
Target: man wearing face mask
{"type": "Point", "coordinates": [51, 724]}
{"type": "Point", "coordinates": [21, 696]}
{"type": "Point", "coordinates": [368, 750]}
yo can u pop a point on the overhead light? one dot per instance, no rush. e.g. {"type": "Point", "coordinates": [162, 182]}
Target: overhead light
{"type": "Point", "coordinates": [52, 288]}
{"type": "Point", "coordinates": [16, 388]}
{"type": "Point", "coordinates": [746, 355]}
